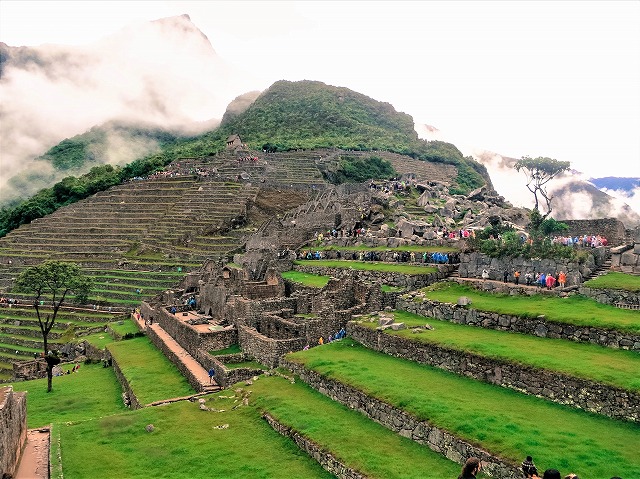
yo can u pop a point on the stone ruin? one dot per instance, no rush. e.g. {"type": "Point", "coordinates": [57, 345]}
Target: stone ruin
{"type": "Point", "coordinates": [626, 258]}
{"type": "Point", "coordinates": [13, 429]}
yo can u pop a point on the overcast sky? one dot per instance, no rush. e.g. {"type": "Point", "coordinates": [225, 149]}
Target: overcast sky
{"type": "Point", "coordinates": [558, 79]}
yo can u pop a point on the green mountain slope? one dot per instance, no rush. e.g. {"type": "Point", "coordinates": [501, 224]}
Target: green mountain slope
{"type": "Point", "coordinates": [288, 116]}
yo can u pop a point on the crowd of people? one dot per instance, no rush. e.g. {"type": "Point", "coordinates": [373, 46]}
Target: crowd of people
{"type": "Point", "coordinates": [331, 338]}
{"type": "Point", "coordinates": [592, 241]}
{"type": "Point", "coordinates": [539, 279]}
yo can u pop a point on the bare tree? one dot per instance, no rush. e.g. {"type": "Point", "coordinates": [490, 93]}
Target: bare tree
{"type": "Point", "coordinates": [53, 281]}
{"type": "Point", "coordinates": [540, 171]}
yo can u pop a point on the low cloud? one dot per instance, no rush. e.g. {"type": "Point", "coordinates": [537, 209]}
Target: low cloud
{"type": "Point", "coordinates": [163, 73]}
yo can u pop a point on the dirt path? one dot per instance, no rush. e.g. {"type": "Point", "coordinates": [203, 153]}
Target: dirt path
{"type": "Point", "coordinates": [34, 463]}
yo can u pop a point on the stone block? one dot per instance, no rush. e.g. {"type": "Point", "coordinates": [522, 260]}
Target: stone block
{"type": "Point", "coordinates": [385, 321]}
{"type": "Point", "coordinates": [464, 301]}
{"type": "Point", "coordinates": [398, 326]}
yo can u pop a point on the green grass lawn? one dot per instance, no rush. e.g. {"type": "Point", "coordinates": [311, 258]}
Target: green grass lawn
{"type": "Point", "coordinates": [308, 279]}
{"type": "Point", "coordinates": [91, 392]}
{"type": "Point", "coordinates": [402, 268]}
{"type": "Point", "coordinates": [233, 349]}
{"type": "Point", "coordinates": [588, 361]}
{"type": "Point", "coordinates": [126, 326]}
{"type": "Point", "coordinates": [149, 373]}
{"type": "Point", "coordinates": [576, 310]}
{"type": "Point", "coordinates": [615, 280]}
{"type": "Point", "coordinates": [99, 340]}
{"type": "Point", "coordinates": [504, 422]}
{"type": "Point", "coordinates": [359, 442]}
{"type": "Point", "coordinates": [184, 444]}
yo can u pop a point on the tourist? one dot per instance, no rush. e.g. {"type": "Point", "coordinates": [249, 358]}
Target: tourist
{"type": "Point", "coordinates": [212, 373]}
{"type": "Point", "coordinates": [571, 476]}
{"type": "Point", "coordinates": [485, 274]}
{"type": "Point", "coordinates": [550, 280]}
{"type": "Point", "coordinates": [505, 275]}
{"type": "Point", "coordinates": [562, 279]}
{"type": "Point", "coordinates": [551, 474]}
{"type": "Point", "coordinates": [470, 468]}
{"type": "Point", "coordinates": [516, 277]}
{"type": "Point", "coordinates": [529, 468]}
{"type": "Point", "coordinates": [528, 277]}
{"type": "Point", "coordinates": [321, 341]}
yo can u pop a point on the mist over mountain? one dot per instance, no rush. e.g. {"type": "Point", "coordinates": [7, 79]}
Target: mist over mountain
{"type": "Point", "coordinates": [162, 74]}
{"type": "Point", "coordinates": [575, 196]}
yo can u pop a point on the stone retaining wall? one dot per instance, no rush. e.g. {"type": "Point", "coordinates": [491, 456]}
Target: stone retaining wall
{"type": "Point", "coordinates": [266, 350]}
{"type": "Point", "coordinates": [472, 265]}
{"type": "Point", "coordinates": [327, 460]}
{"type": "Point", "coordinates": [399, 280]}
{"type": "Point", "coordinates": [175, 359]}
{"type": "Point", "coordinates": [535, 326]}
{"type": "Point", "coordinates": [224, 376]}
{"type": "Point", "coordinates": [13, 429]}
{"type": "Point", "coordinates": [133, 399]}
{"type": "Point", "coordinates": [404, 423]}
{"type": "Point", "coordinates": [611, 296]}
{"type": "Point", "coordinates": [557, 387]}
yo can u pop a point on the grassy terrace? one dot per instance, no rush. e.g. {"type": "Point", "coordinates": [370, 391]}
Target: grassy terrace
{"type": "Point", "coordinates": [588, 361]}
{"type": "Point", "coordinates": [150, 374]}
{"type": "Point", "coordinates": [615, 280]}
{"type": "Point", "coordinates": [401, 268]}
{"type": "Point", "coordinates": [89, 393]}
{"type": "Point", "coordinates": [575, 310]}
{"type": "Point", "coordinates": [356, 440]}
{"type": "Point", "coordinates": [307, 279]}
{"type": "Point", "coordinates": [185, 444]}
{"type": "Point", "coordinates": [502, 421]}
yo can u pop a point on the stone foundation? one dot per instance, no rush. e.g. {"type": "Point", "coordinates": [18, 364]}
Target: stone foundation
{"type": "Point", "coordinates": [133, 400]}
{"type": "Point", "coordinates": [13, 429]}
{"type": "Point", "coordinates": [534, 326]}
{"type": "Point", "coordinates": [612, 296]}
{"type": "Point", "coordinates": [404, 423]}
{"type": "Point", "coordinates": [557, 387]}
{"type": "Point", "coordinates": [325, 459]}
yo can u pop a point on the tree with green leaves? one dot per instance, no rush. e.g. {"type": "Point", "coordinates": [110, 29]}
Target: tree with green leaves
{"type": "Point", "coordinates": [55, 281]}
{"type": "Point", "coordinates": [540, 171]}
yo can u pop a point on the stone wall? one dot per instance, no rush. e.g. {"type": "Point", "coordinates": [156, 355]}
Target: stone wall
{"type": "Point", "coordinates": [392, 279]}
{"type": "Point", "coordinates": [627, 258]}
{"type": "Point", "coordinates": [126, 387]}
{"type": "Point", "coordinates": [224, 376]}
{"type": "Point", "coordinates": [26, 370]}
{"type": "Point", "coordinates": [13, 429]}
{"type": "Point", "coordinates": [327, 460]}
{"type": "Point", "coordinates": [535, 326]}
{"type": "Point", "coordinates": [611, 228]}
{"type": "Point", "coordinates": [266, 350]}
{"type": "Point", "coordinates": [472, 265]}
{"type": "Point", "coordinates": [588, 395]}
{"type": "Point", "coordinates": [404, 423]}
{"type": "Point", "coordinates": [175, 359]}
{"type": "Point", "coordinates": [612, 296]}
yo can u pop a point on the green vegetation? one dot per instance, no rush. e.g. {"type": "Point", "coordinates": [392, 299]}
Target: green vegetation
{"type": "Point", "coordinates": [348, 435]}
{"type": "Point", "coordinates": [390, 289]}
{"type": "Point", "coordinates": [408, 269]}
{"type": "Point", "coordinates": [288, 116]}
{"type": "Point", "coordinates": [357, 170]}
{"type": "Point", "coordinates": [90, 392]}
{"type": "Point", "coordinates": [617, 368]}
{"type": "Point", "coordinates": [185, 443]}
{"type": "Point", "coordinates": [501, 421]}
{"type": "Point", "coordinates": [124, 328]}
{"type": "Point", "coordinates": [150, 374]}
{"type": "Point", "coordinates": [307, 279]}
{"type": "Point", "coordinates": [615, 280]}
{"type": "Point", "coordinates": [233, 349]}
{"type": "Point", "coordinates": [576, 310]}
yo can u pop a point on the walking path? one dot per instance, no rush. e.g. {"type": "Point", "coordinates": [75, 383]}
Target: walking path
{"type": "Point", "coordinates": [34, 463]}
{"type": "Point", "coordinates": [189, 362]}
